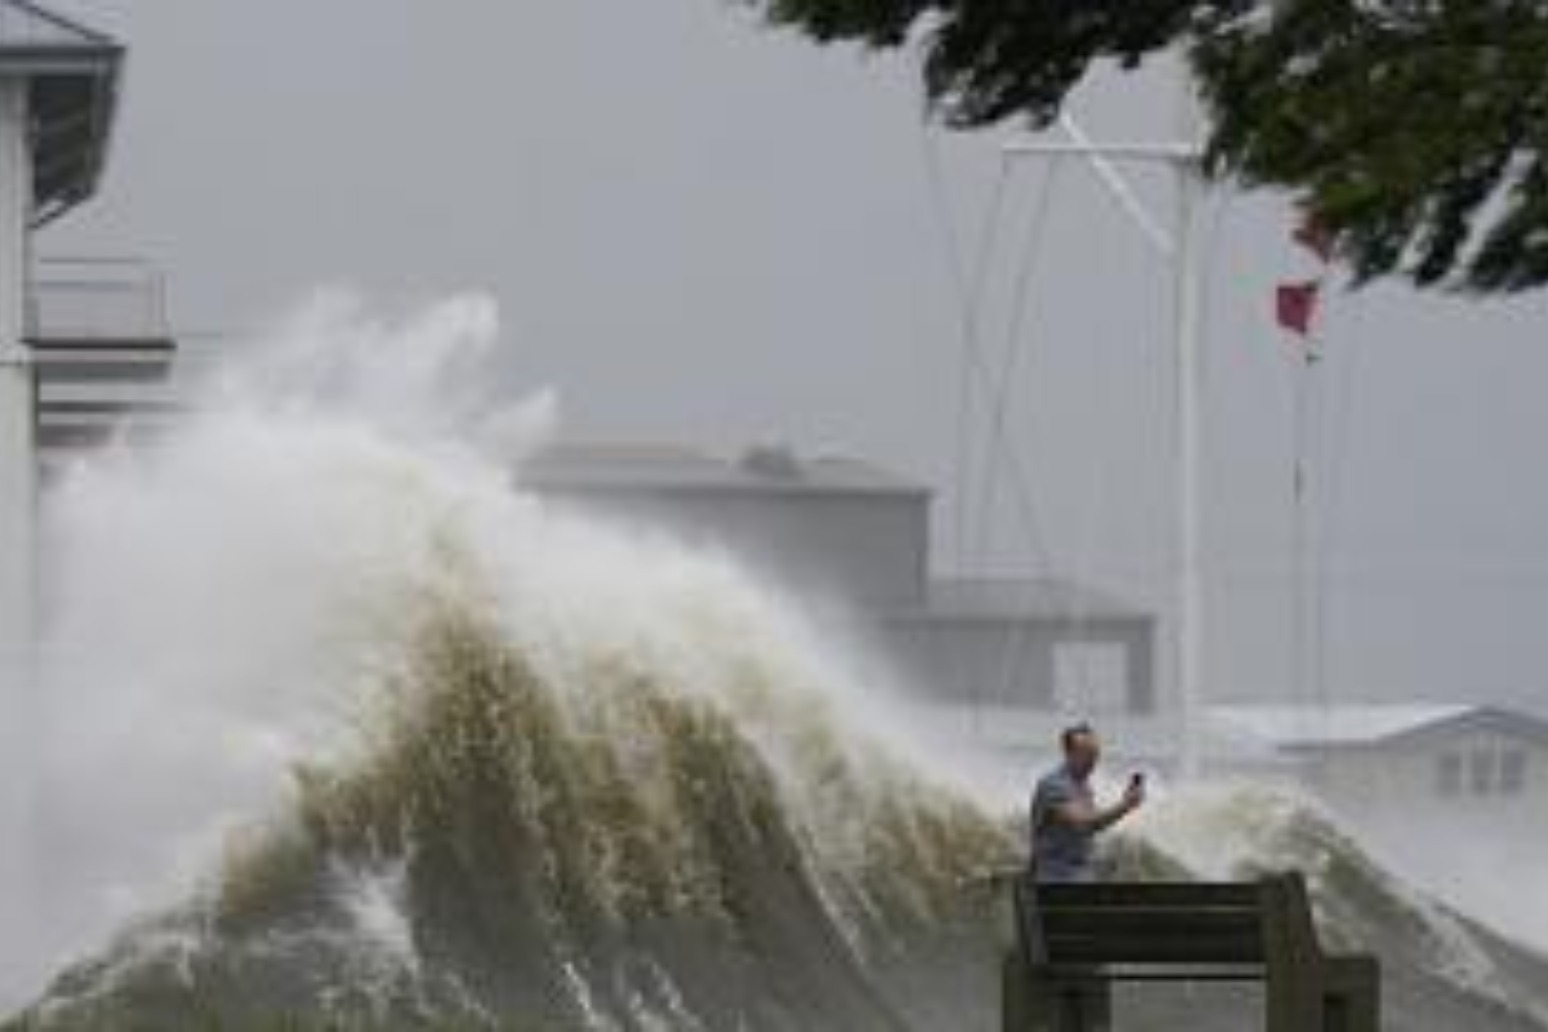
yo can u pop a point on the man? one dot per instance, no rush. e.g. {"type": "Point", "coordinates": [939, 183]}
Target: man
{"type": "Point", "coordinates": [1065, 816]}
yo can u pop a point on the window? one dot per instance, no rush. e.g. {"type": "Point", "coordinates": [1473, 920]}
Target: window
{"type": "Point", "coordinates": [1480, 769]}
{"type": "Point", "coordinates": [1513, 766]}
{"type": "Point", "coordinates": [1091, 677]}
{"type": "Point", "coordinates": [1448, 775]}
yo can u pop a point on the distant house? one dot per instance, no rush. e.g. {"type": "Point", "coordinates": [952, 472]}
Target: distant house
{"type": "Point", "coordinates": [838, 529]}
{"type": "Point", "coordinates": [1404, 764]}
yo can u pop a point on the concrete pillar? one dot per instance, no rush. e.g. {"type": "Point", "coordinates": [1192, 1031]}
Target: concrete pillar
{"type": "Point", "coordinates": [18, 511]}
{"type": "Point", "coordinates": [18, 461]}
{"type": "Point", "coordinates": [1140, 668]}
{"type": "Point", "coordinates": [1040, 689]}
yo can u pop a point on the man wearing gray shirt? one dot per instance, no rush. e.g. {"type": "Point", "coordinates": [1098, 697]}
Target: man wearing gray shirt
{"type": "Point", "coordinates": [1065, 816]}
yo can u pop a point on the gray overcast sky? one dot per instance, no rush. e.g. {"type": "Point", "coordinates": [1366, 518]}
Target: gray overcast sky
{"type": "Point", "coordinates": [701, 230]}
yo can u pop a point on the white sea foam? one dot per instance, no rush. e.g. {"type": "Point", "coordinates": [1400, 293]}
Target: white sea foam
{"type": "Point", "coordinates": [1234, 830]}
{"type": "Point", "coordinates": [214, 604]}
{"type": "Point", "coordinates": [374, 899]}
{"type": "Point", "coordinates": [220, 607]}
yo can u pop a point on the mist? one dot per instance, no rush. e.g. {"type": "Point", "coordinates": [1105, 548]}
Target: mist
{"type": "Point", "coordinates": [408, 247]}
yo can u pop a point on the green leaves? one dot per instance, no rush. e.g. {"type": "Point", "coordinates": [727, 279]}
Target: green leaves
{"type": "Point", "coordinates": [1411, 129]}
{"type": "Point", "coordinates": [881, 23]}
{"type": "Point", "coordinates": [1415, 130]}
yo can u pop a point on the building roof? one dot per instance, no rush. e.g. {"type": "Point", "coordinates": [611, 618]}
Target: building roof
{"type": "Point", "coordinates": [26, 25]}
{"type": "Point", "coordinates": [1364, 725]}
{"type": "Point", "coordinates": [73, 75]}
{"type": "Point", "coordinates": [1016, 599]}
{"type": "Point", "coordinates": [613, 468]}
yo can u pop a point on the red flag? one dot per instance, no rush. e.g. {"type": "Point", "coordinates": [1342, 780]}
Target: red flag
{"type": "Point", "coordinates": [1295, 305]}
{"type": "Point", "coordinates": [1313, 235]}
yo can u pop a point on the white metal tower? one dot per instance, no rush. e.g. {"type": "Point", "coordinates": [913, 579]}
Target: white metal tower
{"type": "Point", "coordinates": [1184, 158]}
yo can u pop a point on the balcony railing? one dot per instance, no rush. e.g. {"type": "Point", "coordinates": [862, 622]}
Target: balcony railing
{"type": "Point", "coordinates": [92, 300]}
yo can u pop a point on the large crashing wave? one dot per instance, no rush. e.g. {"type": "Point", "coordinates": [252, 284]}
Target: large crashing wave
{"type": "Point", "coordinates": [497, 767]}
{"type": "Point", "coordinates": [624, 857]}
{"type": "Point", "coordinates": [537, 769]}
{"type": "Point", "coordinates": [500, 857]}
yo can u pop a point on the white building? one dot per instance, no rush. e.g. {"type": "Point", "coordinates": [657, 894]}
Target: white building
{"type": "Point", "coordinates": [1397, 767]}
{"type": "Point", "coordinates": [58, 95]}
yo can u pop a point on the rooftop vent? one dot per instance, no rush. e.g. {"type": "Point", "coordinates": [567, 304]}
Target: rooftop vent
{"type": "Point", "coordinates": [773, 461]}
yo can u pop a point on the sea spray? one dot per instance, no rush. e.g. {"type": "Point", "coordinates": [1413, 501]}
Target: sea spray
{"type": "Point", "coordinates": [1239, 830]}
{"type": "Point", "coordinates": [277, 593]}
{"type": "Point", "coordinates": [632, 856]}
{"type": "Point", "coordinates": [423, 751]}
{"type": "Point", "coordinates": [216, 603]}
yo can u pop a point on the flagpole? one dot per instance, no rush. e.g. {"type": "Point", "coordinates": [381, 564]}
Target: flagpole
{"type": "Point", "coordinates": [1185, 159]}
{"type": "Point", "coordinates": [1190, 369]}
{"type": "Point", "coordinates": [1296, 305]}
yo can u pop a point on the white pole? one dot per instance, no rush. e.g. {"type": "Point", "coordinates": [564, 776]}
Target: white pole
{"type": "Point", "coordinates": [1190, 368]}
{"type": "Point", "coordinates": [1113, 179]}
{"type": "Point", "coordinates": [1081, 146]}
{"type": "Point", "coordinates": [1191, 638]}
{"type": "Point", "coordinates": [18, 470]}
{"type": "Point", "coordinates": [18, 498]}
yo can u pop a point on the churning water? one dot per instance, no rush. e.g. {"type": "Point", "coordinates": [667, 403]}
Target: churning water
{"type": "Point", "coordinates": [337, 727]}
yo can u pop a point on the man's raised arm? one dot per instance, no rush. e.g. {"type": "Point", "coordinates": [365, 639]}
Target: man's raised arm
{"type": "Point", "coordinates": [1087, 817]}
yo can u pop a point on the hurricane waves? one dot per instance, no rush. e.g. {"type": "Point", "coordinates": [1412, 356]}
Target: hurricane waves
{"type": "Point", "coordinates": [338, 727]}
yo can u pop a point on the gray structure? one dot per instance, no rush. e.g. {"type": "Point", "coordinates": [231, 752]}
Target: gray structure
{"type": "Point", "coordinates": [1045, 645]}
{"type": "Point", "coordinates": [841, 531]}
{"type": "Point", "coordinates": [103, 353]}
{"type": "Point", "coordinates": [58, 89]}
